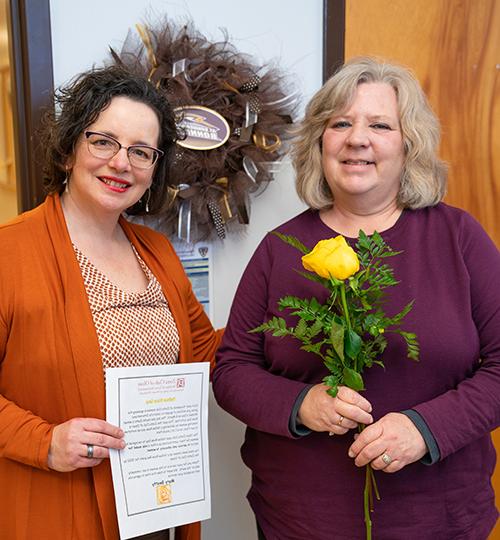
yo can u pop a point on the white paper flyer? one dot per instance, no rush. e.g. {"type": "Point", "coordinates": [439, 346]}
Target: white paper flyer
{"type": "Point", "coordinates": [161, 479]}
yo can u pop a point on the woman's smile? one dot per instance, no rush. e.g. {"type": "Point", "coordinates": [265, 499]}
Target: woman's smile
{"type": "Point", "coordinates": [115, 184]}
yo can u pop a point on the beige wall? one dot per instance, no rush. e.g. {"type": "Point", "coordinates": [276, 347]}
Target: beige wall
{"type": "Point", "coordinates": [8, 202]}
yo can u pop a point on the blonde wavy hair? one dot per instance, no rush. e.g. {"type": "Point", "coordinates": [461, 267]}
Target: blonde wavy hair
{"type": "Point", "coordinates": [423, 180]}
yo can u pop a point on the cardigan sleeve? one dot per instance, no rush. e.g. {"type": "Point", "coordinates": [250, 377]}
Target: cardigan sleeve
{"type": "Point", "coordinates": [24, 436]}
{"type": "Point", "coordinates": [243, 384]}
{"type": "Point", "coordinates": [472, 409]}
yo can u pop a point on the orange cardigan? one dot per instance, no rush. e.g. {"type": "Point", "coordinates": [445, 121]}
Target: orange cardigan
{"type": "Point", "coordinates": [51, 371]}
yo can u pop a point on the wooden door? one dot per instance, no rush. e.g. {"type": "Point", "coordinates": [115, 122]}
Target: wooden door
{"type": "Point", "coordinates": [453, 46]}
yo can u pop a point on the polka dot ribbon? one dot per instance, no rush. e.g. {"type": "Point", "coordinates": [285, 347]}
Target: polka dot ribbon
{"type": "Point", "coordinates": [216, 214]}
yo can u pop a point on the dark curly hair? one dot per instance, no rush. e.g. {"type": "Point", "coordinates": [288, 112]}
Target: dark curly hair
{"type": "Point", "coordinates": [78, 105]}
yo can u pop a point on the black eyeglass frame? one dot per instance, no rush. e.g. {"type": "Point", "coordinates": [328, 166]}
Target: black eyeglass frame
{"type": "Point", "coordinates": [158, 153]}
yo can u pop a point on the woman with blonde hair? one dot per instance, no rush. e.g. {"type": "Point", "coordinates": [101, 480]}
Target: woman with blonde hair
{"type": "Point", "coordinates": [366, 158]}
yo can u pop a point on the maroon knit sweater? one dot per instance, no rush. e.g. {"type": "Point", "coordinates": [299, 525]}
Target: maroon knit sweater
{"type": "Point", "coordinates": [307, 487]}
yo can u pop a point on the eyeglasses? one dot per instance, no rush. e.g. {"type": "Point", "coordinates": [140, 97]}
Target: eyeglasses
{"type": "Point", "coordinates": [103, 146]}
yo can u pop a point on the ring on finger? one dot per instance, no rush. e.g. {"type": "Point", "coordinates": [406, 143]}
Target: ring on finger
{"type": "Point", "coordinates": [339, 423]}
{"type": "Point", "coordinates": [386, 458]}
{"type": "Point", "coordinates": [90, 451]}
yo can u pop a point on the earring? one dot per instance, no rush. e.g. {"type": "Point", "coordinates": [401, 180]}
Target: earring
{"type": "Point", "coordinates": [66, 179]}
{"type": "Point", "coordinates": [147, 200]}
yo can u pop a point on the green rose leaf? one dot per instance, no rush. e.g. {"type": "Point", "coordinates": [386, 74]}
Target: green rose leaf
{"type": "Point", "coordinates": [331, 381]}
{"type": "Point", "coordinates": [353, 379]}
{"type": "Point", "coordinates": [333, 391]}
{"type": "Point", "coordinates": [352, 344]}
{"type": "Point", "coordinates": [337, 337]}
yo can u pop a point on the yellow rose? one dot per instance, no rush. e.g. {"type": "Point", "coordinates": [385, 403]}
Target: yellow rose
{"type": "Point", "coordinates": [332, 257]}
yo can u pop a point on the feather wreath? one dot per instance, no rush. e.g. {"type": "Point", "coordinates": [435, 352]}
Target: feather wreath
{"type": "Point", "coordinates": [213, 174]}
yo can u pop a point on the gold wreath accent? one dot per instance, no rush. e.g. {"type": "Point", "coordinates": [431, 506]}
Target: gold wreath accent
{"type": "Point", "coordinates": [269, 142]}
{"type": "Point", "coordinates": [144, 35]}
{"type": "Point", "coordinates": [223, 182]}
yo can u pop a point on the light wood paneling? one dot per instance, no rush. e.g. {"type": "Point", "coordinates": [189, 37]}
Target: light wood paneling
{"type": "Point", "coordinates": [8, 202]}
{"type": "Point", "coordinates": [453, 46]}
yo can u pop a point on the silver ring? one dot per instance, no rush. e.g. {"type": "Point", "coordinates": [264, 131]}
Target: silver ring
{"type": "Point", "coordinates": [386, 458]}
{"type": "Point", "coordinates": [90, 451]}
{"type": "Point", "coordinates": [339, 423]}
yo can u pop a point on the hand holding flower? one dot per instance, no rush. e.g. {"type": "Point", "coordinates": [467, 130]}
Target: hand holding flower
{"type": "Point", "coordinates": [321, 412]}
{"type": "Point", "coordinates": [395, 435]}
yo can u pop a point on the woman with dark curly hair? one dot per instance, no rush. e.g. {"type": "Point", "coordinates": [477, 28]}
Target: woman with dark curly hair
{"type": "Point", "coordinates": [366, 158]}
{"type": "Point", "coordinates": [81, 290]}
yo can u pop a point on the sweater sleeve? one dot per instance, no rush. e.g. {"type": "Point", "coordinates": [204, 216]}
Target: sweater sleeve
{"type": "Point", "coordinates": [472, 409]}
{"type": "Point", "coordinates": [243, 383]}
{"type": "Point", "coordinates": [24, 436]}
